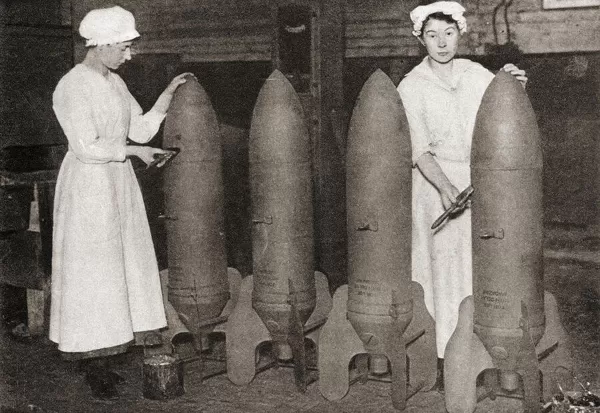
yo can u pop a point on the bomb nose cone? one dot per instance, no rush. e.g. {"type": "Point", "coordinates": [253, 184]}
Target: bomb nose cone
{"type": "Point", "coordinates": [278, 131]}
{"type": "Point", "coordinates": [379, 82]}
{"type": "Point", "coordinates": [376, 94]}
{"type": "Point", "coordinates": [191, 123]}
{"type": "Point", "coordinates": [377, 117]}
{"type": "Point", "coordinates": [277, 76]}
{"type": "Point", "coordinates": [190, 93]}
{"type": "Point", "coordinates": [506, 136]}
{"type": "Point", "coordinates": [276, 92]}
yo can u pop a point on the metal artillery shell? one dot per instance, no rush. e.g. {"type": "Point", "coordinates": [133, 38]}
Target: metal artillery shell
{"type": "Point", "coordinates": [282, 210]}
{"type": "Point", "coordinates": [506, 173]}
{"type": "Point", "coordinates": [378, 187]}
{"type": "Point", "coordinates": [193, 187]}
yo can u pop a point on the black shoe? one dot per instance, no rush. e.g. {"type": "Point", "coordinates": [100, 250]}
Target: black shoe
{"type": "Point", "coordinates": [102, 387]}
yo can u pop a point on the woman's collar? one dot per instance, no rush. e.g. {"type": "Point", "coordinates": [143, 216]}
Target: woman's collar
{"type": "Point", "coordinates": [459, 66]}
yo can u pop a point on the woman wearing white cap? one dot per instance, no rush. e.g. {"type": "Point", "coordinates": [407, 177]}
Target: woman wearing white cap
{"type": "Point", "coordinates": [441, 97]}
{"type": "Point", "coordinates": [105, 282]}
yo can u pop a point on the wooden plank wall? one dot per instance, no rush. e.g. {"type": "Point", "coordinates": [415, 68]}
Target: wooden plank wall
{"type": "Point", "coordinates": [380, 28]}
{"type": "Point", "coordinates": [230, 30]}
{"type": "Point", "coordinates": [200, 31]}
{"type": "Point", "coordinates": [383, 28]}
{"type": "Point", "coordinates": [534, 29]}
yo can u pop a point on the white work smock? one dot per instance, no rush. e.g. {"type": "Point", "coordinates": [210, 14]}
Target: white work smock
{"type": "Point", "coordinates": [441, 117]}
{"type": "Point", "coordinates": [105, 281]}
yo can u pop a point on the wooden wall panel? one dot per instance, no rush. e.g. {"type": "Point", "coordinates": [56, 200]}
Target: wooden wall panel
{"type": "Point", "coordinates": [231, 30]}
{"type": "Point", "coordinates": [198, 31]}
{"type": "Point", "coordinates": [532, 28]}
{"type": "Point", "coordinates": [379, 28]}
{"type": "Point", "coordinates": [236, 30]}
{"type": "Point", "coordinates": [382, 28]}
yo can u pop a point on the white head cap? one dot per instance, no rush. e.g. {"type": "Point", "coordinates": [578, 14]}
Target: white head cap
{"type": "Point", "coordinates": [108, 26]}
{"type": "Point", "coordinates": [451, 8]}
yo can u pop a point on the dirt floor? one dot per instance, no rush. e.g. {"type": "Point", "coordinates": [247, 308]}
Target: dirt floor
{"type": "Point", "coordinates": [33, 378]}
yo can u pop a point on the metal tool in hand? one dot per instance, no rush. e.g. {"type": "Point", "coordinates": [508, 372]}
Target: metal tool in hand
{"type": "Point", "coordinates": [163, 157]}
{"type": "Point", "coordinates": [457, 205]}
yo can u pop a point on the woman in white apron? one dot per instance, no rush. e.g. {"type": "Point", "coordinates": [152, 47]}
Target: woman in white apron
{"type": "Point", "coordinates": [105, 282]}
{"type": "Point", "coordinates": [441, 97]}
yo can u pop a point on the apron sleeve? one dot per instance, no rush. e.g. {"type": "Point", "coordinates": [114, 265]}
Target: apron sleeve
{"type": "Point", "coordinates": [74, 113]}
{"type": "Point", "coordinates": [419, 134]}
{"type": "Point", "coordinates": [142, 127]}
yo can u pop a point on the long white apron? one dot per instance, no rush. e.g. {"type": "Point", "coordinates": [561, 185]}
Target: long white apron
{"type": "Point", "coordinates": [441, 258]}
{"type": "Point", "coordinates": [441, 117]}
{"type": "Point", "coordinates": [105, 281]}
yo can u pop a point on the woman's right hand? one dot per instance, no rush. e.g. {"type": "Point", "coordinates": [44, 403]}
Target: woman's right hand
{"type": "Point", "coordinates": [448, 193]}
{"type": "Point", "coordinates": [434, 174]}
{"type": "Point", "coordinates": [145, 153]}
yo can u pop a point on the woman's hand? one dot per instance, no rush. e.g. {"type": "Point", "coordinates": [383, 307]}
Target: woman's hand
{"type": "Point", "coordinates": [519, 74]}
{"type": "Point", "coordinates": [178, 80]}
{"type": "Point", "coordinates": [448, 193]}
{"type": "Point", "coordinates": [146, 153]}
{"type": "Point", "coordinates": [432, 171]}
{"type": "Point", "coordinates": [164, 100]}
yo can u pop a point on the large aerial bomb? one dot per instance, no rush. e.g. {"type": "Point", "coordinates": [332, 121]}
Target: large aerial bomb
{"type": "Point", "coordinates": [284, 293]}
{"type": "Point", "coordinates": [193, 188]}
{"type": "Point", "coordinates": [507, 224]}
{"type": "Point", "coordinates": [371, 316]}
{"type": "Point", "coordinates": [500, 326]}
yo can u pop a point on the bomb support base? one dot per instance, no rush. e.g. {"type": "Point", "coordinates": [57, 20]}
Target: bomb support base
{"type": "Point", "coordinates": [466, 358]}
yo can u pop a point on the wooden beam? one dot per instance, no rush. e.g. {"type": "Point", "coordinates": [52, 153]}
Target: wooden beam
{"type": "Point", "coordinates": [225, 57]}
{"type": "Point", "coordinates": [383, 51]}
{"type": "Point", "coordinates": [558, 37]}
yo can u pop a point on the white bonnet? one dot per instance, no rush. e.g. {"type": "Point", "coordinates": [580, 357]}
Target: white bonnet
{"type": "Point", "coordinates": [451, 8]}
{"type": "Point", "coordinates": [108, 26]}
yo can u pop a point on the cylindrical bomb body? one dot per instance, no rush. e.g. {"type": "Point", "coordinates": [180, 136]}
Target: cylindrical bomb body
{"type": "Point", "coordinates": [282, 209]}
{"type": "Point", "coordinates": [378, 188]}
{"type": "Point", "coordinates": [193, 187]}
{"type": "Point", "coordinates": [506, 173]}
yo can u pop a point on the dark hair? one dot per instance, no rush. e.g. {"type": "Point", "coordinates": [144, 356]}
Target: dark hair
{"type": "Point", "coordinates": [438, 16]}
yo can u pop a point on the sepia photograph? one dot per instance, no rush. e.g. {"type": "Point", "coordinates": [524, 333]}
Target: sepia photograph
{"type": "Point", "coordinates": [300, 206]}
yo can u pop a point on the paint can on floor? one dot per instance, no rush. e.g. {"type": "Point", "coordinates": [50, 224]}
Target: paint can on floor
{"type": "Point", "coordinates": [162, 377]}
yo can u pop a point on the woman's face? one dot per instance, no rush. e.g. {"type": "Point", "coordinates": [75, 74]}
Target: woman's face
{"type": "Point", "coordinates": [440, 38]}
{"type": "Point", "coordinates": [114, 55]}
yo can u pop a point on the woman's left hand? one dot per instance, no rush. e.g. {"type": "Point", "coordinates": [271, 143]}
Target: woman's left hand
{"type": "Point", "coordinates": [178, 80]}
{"type": "Point", "coordinates": [519, 74]}
{"type": "Point", "coordinates": [164, 100]}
